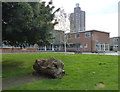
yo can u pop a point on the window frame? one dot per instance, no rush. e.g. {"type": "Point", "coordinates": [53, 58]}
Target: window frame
{"type": "Point", "coordinates": [87, 34]}
{"type": "Point", "coordinates": [77, 36]}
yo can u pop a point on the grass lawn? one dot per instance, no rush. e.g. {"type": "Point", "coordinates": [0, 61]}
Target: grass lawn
{"type": "Point", "coordinates": [82, 71]}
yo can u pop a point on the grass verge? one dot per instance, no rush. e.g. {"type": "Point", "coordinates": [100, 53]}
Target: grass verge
{"type": "Point", "coordinates": [83, 72]}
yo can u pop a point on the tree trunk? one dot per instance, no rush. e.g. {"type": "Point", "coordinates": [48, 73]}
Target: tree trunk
{"type": "Point", "coordinates": [51, 67]}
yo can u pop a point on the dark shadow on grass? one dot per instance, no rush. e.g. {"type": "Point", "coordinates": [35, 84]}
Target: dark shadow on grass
{"type": "Point", "coordinates": [52, 81]}
{"type": "Point", "coordinates": [12, 66]}
{"type": "Point", "coordinates": [21, 80]}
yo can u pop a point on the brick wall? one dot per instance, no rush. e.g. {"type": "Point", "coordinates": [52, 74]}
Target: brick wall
{"type": "Point", "coordinates": [99, 36]}
{"type": "Point", "coordinates": [17, 50]}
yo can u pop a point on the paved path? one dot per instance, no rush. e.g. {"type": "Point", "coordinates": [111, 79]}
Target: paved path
{"type": "Point", "coordinates": [20, 80]}
{"type": "Point", "coordinates": [106, 53]}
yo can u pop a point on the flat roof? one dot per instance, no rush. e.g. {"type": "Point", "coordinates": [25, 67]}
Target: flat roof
{"type": "Point", "coordinates": [114, 37]}
{"type": "Point", "coordinates": [59, 31]}
{"type": "Point", "coordinates": [89, 31]}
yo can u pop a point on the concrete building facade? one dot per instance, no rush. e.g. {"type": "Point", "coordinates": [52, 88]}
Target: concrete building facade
{"type": "Point", "coordinates": [77, 20]}
{"type": "Point", "coordinates": [115, 43]}
{"type": "Point", "coordinates": [57, 43]}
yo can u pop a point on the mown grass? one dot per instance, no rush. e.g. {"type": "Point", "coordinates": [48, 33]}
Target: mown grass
{"type": "Point", "coordinates": [82, 71]}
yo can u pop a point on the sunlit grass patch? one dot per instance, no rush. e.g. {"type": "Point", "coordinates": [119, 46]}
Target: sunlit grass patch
{"type": "Point", "coordinates": [83, 72]}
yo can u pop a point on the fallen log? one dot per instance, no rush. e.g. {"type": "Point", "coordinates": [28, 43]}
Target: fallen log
{"type": "Point", "coordinates": [51, 67]}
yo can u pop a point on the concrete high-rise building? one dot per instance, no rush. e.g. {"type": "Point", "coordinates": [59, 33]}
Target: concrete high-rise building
{"type": "Point", "coordinates": [77, 20]}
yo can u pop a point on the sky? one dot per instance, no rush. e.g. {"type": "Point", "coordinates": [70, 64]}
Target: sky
{"type": "Point", "coordinates": [101, 15]}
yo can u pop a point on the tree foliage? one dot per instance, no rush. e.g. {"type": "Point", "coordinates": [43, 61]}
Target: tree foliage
{"type": "Point", "coordinates": [27, 23]}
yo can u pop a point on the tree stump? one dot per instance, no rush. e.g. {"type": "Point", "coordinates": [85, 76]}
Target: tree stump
{"type": "Point", "coordinates": [51, 67]}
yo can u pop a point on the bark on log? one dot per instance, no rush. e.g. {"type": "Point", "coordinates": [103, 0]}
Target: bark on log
{"type": "Point", "coordinates": [51, 67]}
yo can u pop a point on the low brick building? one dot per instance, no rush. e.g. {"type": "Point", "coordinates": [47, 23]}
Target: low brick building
{"type": "Point", "coordinates": [89, 41]}
{"type": "Point", "coordinates": [85, 41]}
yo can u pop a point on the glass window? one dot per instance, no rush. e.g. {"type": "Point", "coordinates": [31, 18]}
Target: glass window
{"type": "Point", "coordinates": [77, 35]}
{"type": "Point", "coordinates": [116, 39]}
{"type": "Point", "coordinates": [68, 36]}
{"type": "Point", "coordinates": [87, 34]}
{"type": "Point", "coordinates": [115, 46]}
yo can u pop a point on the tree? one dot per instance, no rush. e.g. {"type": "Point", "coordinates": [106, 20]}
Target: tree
{"type": "Point", "coordinates": [16, 21]}
{"type": "Point", "coordinates": [27, 23]}
{"type": "Point", "coordinates": [42, 25]}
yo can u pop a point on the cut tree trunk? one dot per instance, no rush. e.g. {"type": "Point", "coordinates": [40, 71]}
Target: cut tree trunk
{"type": "Point", "coordinates": [51, 67]}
